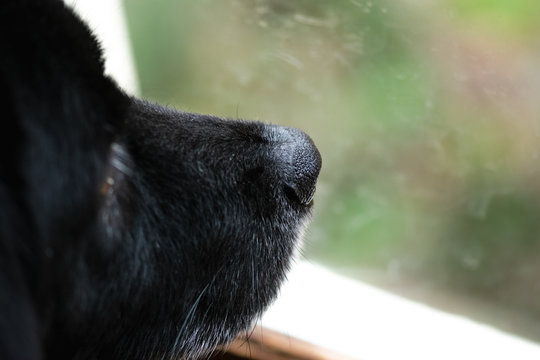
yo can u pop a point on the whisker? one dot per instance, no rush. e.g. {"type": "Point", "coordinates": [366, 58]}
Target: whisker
{"type": "Point", "coordinates": [191, 312]}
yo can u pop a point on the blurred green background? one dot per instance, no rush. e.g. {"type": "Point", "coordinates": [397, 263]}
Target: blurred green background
{"type": "Point", "coordinates": [427, 115]}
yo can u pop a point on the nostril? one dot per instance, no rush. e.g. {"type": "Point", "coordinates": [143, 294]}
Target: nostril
{"type": "Point", "coordinates": [290, 192]}
{"type": "Point", "coordinates": [299, 195]}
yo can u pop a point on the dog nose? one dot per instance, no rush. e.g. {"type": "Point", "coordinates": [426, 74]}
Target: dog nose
{"type": "Point", "coordinates": [299, 163]}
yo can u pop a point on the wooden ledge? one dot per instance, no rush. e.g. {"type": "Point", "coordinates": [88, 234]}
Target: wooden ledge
{"type": "Point", "coordinates": [266, 344]}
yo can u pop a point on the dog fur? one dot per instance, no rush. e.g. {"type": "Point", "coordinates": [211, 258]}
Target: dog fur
{"type": "Point", "coordinates": [129, 230]}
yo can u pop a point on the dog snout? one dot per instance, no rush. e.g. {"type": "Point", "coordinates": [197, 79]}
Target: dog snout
{"type": "Point", "coordinates": [299, 163]}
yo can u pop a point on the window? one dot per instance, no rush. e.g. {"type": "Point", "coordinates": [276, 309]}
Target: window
{"type": "Point", "coordinates": [426, 115]}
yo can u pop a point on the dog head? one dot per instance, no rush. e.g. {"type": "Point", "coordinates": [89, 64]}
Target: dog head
{"type": "Point", "coordinates": [215, 206]}
{"type": "Point", "coordinates": [152, 232]}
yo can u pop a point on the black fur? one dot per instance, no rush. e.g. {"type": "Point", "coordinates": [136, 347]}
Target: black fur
{"type": "Point", "coordinates": [129, 230]}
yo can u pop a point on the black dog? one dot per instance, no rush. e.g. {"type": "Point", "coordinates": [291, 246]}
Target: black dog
{"type": "Point", "coordinates": [129, 230]}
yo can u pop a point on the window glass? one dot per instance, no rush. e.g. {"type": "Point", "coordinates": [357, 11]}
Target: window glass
{"type": "Point", "coordinates": [427, 115]}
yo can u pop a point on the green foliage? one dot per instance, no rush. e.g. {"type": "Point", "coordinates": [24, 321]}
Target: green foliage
{"type": "Point", "coordinates": [504, 16]}
{"type": "Point", "coordinates": [488, 246]}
